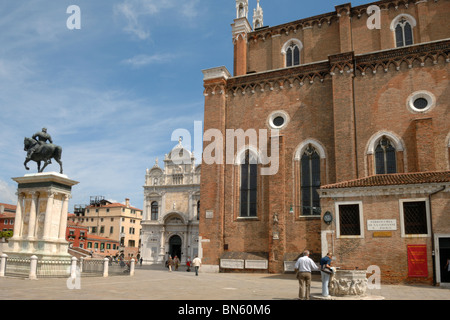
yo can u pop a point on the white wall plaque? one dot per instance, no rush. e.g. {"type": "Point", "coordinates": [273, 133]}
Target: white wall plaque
{"type": "Point", "coordinates": [209, 214]}
{"type": "Point", "coordinates": [381, 225]}
{"type": "Point", "coordinates": [256, 264]}
{"type": "Point", "coordinates": [289, 266]}
{"type": "Point", "coordinates": [231, 264]}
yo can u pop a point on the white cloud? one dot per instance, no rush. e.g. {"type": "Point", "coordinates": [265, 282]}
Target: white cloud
{"type": "Point", "coordinates": [137, 13]}
{"type": "Point", "coordinates": [7, 193]}
{"type": "Point", "coordinates": [144, 60]}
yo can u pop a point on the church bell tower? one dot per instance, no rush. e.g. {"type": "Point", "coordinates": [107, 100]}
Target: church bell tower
{"type": "Point", "coordinates": [240, 28]}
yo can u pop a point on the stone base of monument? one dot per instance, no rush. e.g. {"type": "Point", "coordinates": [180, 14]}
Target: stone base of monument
{"type": "Point", "coordinates": [41, 221]}
{"type": "Point", "coordinates": [348, 285]}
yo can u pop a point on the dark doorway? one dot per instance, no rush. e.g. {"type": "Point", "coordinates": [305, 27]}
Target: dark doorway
{"type": "Point", "coordinates": [175, 247]}
{"type": "Point", "coordinates": [444, 257]}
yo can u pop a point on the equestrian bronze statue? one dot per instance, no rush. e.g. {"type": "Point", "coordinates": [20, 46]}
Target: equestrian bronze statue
{"type": "Point", "coordinates": [39, 150]}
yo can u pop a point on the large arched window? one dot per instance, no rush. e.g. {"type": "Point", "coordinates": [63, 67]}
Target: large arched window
{"type": "Point", "coordinates": [385, 157]}
{"type": "Point", "coordinates": [154, 211]}
{"type": "Point", "coordinates": [310, 181]}
{"type": "Point", "coordinates": [402, 26]}
{"type": "Point", "coordinates": [291, 50]}
{"type": "Point", "coordinates": [248, 185]}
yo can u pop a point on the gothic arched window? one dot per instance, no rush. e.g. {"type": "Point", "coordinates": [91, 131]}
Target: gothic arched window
{"type": "Point", "coordinates": [154, 211]}
{"type": "Point", "coordinates": [292, 55]}
{"type": "Point", "coordinates": [310, 181]}
{"type": "Point", "coordinates": [385, 158]}
{"type": "Point", "coordinates": [248, 189]}
{"type": "Point", "coordinates": [402, 26]}
{"type": "Point", "coordinates": [291, 51]}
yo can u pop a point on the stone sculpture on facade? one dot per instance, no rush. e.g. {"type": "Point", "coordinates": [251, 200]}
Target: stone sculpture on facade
{"type": "Point", "coordinates": [39, 150]}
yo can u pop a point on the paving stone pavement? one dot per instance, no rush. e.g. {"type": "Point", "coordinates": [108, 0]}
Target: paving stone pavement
{"type": "Point", "coordinates": [160, 284]}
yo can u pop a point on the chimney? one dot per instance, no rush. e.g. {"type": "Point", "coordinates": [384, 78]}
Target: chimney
{"type": "Point", "coordinates": [127, 202]}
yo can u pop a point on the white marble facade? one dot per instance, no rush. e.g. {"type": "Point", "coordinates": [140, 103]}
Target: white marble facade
{"type": "Point", "coordinates": [171, 208]}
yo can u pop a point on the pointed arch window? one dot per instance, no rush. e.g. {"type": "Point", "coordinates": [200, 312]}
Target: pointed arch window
{"type": "Point", "coordinates": [292, 56]}
{"type": "Point", "coordinates": [310, 181]}
{"type": "Point", "coordinates": [385, 157]}
{"type": "Point", "coordinates": [154, 211]}
{"type": "Point", "coordinates": [291, 50]}
{"type": "Point", "coordinates": [402, 26]}
{"type": "Point", "coordinates": [248, 186]}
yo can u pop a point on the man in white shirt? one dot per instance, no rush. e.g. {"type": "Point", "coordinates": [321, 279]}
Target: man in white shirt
{"type": "Point", "coordinates": [196, 263]}
{"type": "Point", "coordinates": [303, 268]}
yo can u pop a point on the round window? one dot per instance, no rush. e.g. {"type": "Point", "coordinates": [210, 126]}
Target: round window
{"type": "Point", "coordinates": [278, 120]}
{"type": "Point", "coordinates": [421, 101]}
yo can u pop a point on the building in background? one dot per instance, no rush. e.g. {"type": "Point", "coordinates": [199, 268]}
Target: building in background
{"type": "Point", "coordinates": [115, 221]}
{"type": "Point", "coordinates": [7, 216]}
{"type": "Point", "coordinates": [171, 208]}
{"type": "Point", "coordinates": [342, 100]}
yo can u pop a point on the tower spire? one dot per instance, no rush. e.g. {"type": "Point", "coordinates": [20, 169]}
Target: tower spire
{"type": "Point", "coordinates": [258, 17]}
{"type": "Point", "coordinates": [241, 9]}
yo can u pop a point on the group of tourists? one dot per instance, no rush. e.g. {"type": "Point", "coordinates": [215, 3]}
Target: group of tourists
{"type": "Point", "coordinates": [174, 263]}
{"type": "Point", "coordinates": [303, 268]}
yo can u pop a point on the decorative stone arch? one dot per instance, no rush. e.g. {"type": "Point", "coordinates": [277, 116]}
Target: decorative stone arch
{"type": "Point", "coordinates": [398, 144]}
{"type": "Point", "coordinates": [154, 176]}
{"type": "Point", "coordinates": [296, 170]}
{"type": "Point", "coordinates": [302, 146]}
{"type": "Point", "coordinates": [240, 155]}
{"type": "Point", "coordinates": [409, 18]}
{"type": "Point", "coordinates": [174, 215]}
{"type": "Point", "coordinates": [412, 21]}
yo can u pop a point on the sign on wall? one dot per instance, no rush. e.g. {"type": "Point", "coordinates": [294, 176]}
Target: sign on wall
{"type": "Point", "coordinates": [382, 225]}
{"type": "Point", "coordinates": [417, 261]}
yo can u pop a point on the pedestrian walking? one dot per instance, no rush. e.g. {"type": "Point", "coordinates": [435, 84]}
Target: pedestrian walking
{"type": "Point", "coordinates": [197, 262]}
{"type": "Point", "coordinates": [176, 262]}
{"type": "Point", "coordinates": [303, 268]}
{"type": "Point", "coordinates": [188, 264]}
{"type": "Point", "coordinates": [326, 272]}
{"type": "Point", "coordinates": [170, 263]}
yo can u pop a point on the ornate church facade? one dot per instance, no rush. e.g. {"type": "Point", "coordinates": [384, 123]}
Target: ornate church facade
{"type": "Point", "coordinates": [171, 208]}
{"type": "Point", "coordinates": [343, 99]}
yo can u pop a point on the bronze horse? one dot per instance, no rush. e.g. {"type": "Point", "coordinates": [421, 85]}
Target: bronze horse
{"type": "Point", "coordinates": [44, 153]}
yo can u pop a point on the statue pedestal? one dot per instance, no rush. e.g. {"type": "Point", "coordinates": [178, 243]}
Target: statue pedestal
{"type": "Point", "coordinates": [41, 217]}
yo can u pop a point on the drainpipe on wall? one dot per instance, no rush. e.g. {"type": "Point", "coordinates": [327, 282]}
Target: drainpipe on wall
{"type": "Point", "coordinates": [433, 249]}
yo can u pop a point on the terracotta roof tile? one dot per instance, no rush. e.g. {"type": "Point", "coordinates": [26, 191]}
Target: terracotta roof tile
{"type": "Point", "coordinates": [8, 207]}
{"type": "Point", "coordinates": [393, 179]}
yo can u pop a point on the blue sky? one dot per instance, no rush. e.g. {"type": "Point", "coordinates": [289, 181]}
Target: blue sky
{"type": "Point", "coordinates": [112, 93]}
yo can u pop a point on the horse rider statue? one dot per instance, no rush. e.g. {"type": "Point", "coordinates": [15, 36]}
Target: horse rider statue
{"type": "Point", "coordinates": [41, 137]}
{"type": "Point", "coordinates": [39, 150]}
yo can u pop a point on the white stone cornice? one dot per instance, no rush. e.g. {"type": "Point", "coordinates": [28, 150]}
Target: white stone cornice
{"type": "Point", "coordinates": [216, 73]}
{"type": "Point", "coordinates": [424, 189]}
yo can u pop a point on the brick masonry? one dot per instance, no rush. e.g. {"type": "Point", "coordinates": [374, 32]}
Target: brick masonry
{"type": "Point", "coordinates": [352, 85]}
